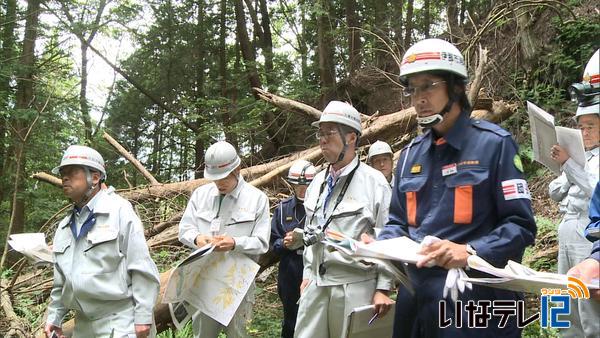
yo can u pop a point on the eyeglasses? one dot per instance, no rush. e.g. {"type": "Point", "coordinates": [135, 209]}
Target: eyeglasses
{"type": "Point", "coordinates": [325, 134]}
{"type": "Point", "coordinates": [425, 89]}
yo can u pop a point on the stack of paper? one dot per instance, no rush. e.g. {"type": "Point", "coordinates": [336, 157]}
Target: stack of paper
{"type": "Point", "coordinates": [517, 277]}
{"type": "Point", "coordinates": [544, 135]}
{"type": "Point", "coordinates": [401, 249]}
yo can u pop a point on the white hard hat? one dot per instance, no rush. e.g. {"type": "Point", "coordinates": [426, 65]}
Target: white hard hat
{"type": "Point", "coordinates": [588, 91]}
{"type": "Point", "coordinates": [220, 160]}
{"type": "Point", "coordinates": [301, 172]}
{"type": "Point", "coordinates": [432, 55]}
{"type": "Point", "coordinates": [588, 110]}
{"type": "Point", "coordinates": [379, 148]}
{"type": "Point", "coordinates": [82, 156]}
{"type": "Point", "coordinates": [342, 113]}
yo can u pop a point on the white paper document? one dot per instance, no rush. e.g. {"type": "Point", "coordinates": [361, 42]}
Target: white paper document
{"type": "Point", "coordinates": [517, 277]}
{"type": "Point", "coordinates": [363, 324]}
{"type": "Point", "coordinates": [572, 141]}
{"type": "Point", "coordinates": [401, 249]}
{"type": "Point", "coordinates": [213, 282]}
{"type": "Point", "coordinates": [544, 135]}
{"type": "Point", "coordinates": [33, 246]}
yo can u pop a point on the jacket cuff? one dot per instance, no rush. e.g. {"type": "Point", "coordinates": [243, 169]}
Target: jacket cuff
{"type": "Point", "coordinates": [384, 283]}
{"type": "Point", "coordinates": [143, 318]}
{"type": "Point", "coordinates": [190, 237]}
{"type": "Point", "coordinates": [55, 318]}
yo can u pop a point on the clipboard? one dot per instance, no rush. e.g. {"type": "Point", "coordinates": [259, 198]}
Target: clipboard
{"type": "Point", "coordinates": [359, 327]}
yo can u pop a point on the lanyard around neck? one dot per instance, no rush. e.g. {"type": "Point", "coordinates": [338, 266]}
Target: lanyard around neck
{"type": "Point", "coordinates": [338, 199]}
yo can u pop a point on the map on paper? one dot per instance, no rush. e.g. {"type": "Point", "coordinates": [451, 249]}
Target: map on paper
{"type": "Point", "coordinates": [215, 283]}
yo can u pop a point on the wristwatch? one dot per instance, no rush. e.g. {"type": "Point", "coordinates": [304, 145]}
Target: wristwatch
{"type": "Point", "coordinates": [470, 250]}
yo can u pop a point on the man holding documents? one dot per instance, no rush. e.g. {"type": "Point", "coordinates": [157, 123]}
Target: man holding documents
{"type": "Point", "coordinates": [286, 242]}
{"type": "Point", "coordinates": [573, 189]}
{"type": "Point", "coordinates": [102, 267]}
{"type": "Point", "coordinates": [351, 198]}
{"type": "Point", "coordinates": [461, 184]}
{"type": "Point", "coordinates": [232, 215]}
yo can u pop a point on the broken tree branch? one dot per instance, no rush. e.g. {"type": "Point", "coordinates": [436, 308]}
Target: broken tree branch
{"type": "Point", "coordinates": [287, 104]}
{"type": "Point", "coordinates": [477, 81]}
{"type": "Point", "coordinates": [137, 164]}
{"type": "Point", "coordinates": [44, 177]}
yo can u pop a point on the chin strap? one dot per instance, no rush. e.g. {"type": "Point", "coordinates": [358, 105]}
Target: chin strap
{"type": "Point", "coordinates": [91, 186]}
{"type": "Point", "coordinates": [343, 152]}
{"type": "Point", "coordinates": [430, 121]}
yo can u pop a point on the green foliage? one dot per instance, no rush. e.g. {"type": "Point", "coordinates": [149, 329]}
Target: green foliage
{"type": "Point", "coordinates": [546, 237]}
{"type": "Point", "coordinates": [534, 330]}
{"type": "Point", "coordinates": [266, 321]}
{"type": "Point", "coordinates": [183, 333]}
{"type": "Point", "coordinates": [563, 64]}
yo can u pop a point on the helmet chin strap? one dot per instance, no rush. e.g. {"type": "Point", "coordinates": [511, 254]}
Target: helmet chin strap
{"type": "Point", "coordinates": [430, 121]}
{"type": "Point", "coordinates": [343, 152]}
{"type": "Point", "coordinates": [91, 187]}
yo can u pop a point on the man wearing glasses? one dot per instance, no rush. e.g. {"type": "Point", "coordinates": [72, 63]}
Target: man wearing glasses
{"type": "Point", "coordinates": [440, 175]}
{"type": "Point", "coordinates": [352, 198]}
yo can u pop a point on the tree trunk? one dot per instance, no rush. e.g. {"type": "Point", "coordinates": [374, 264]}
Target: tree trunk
{"type": "Point", "coordinates": [382, 30]}
{"type": "Point", "coordinates": [246, 48]}
{"type": "Point", "coordinates": [397, 22]}
{"type": "Point", "coordinates": [200, 79]}
{"type": "Point", "coordinates": [83, 104]}
{"type": "Point", "coordinates": [463, 9]}
{"type": "Point", "coordinates": [354, 43]}
{"type": "Point", "coordinates": [528, 42]}
{"type": "Point", "coordinates": [267, 44]}
{"type": "Point", "coordinates": [257, 29]}
{"type": "Point", "coordinates": [409, 24]}
{"type": "Point", "coordinates": [451, 9]}
{"type": "Point", "coordinates": [426, 18]}
{"type": "Point", "coordinates": [325, 51]}
{"type": "Point", "coordinates": [24, 101]}
{"type": "Point", "coordinates": [7, 53]}
{"type": "Point", "coordinates": [227, 121]}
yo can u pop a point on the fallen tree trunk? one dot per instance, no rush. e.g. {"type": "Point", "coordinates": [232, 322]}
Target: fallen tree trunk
{"type": "Point", "coordinates": [16, 325]}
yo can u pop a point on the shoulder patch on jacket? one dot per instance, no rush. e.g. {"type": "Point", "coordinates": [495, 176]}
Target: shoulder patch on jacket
{"type": "Point", "coordinates": [489, 126]}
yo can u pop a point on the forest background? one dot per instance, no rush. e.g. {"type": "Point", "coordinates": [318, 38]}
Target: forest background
{"type": "Point", "coordinates": [168, 78]}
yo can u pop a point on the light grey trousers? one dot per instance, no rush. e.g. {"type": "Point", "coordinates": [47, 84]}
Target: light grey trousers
{"type": "Point", "coordinates": [573, 248]}
{"type": "Point", "coordinates": [323, 310]}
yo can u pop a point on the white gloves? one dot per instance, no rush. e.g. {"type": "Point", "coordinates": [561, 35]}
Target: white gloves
{"type": "Point", "coordinates": [454, 282]}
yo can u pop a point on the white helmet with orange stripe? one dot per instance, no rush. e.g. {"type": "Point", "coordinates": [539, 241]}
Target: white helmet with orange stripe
{"type": "Point", "coordinates": [587, 92]}
{"type": "Point", "coordinates": [220, 160]}
{"type": "Point", "coordinates": [82, 156]}
{"type": "Point", "coordinates": [432, 55]}
{"type": "Point", "coordinates": [301, 173]}
{"type": "Point", "coordinates": [443, 59]}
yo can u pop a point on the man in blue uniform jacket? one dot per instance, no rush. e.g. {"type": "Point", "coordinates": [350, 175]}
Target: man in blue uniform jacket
{"type": "Point", "coordinates": [289, 215]}
{"type": "Point", "coordinates": [462, 182]}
